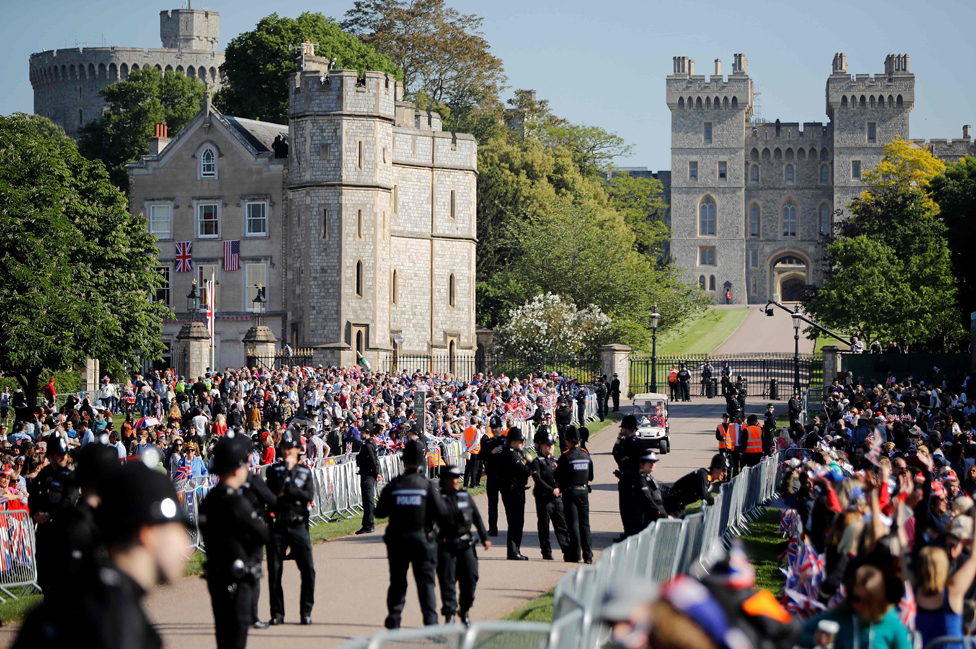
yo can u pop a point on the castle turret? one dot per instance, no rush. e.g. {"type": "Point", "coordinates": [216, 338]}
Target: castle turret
{"type": "Point", "coordinates": [189, 29]}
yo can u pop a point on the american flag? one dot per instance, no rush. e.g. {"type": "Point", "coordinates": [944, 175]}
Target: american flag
{"type": "Point", "coordinates": [184, 256]}
{"type": "Point", "coordinates": [232, 255]}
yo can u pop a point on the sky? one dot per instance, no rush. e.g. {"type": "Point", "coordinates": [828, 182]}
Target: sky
{"type": "Point", "coordinates": [604, 63]}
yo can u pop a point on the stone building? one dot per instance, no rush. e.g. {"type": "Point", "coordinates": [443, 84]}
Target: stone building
{"type": "Point", "coordinates": [358, 217]}
{"type": "Point", "coordinates": [750, 199]}
{"type": "Point", "coordinates": [67, 82]}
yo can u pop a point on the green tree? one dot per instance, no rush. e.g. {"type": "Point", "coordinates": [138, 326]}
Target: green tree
{"type": "Point", "coordinates": [955, 193]}
{"type": "Point", "coordinates": [258, 63]}
{"type": "Point", "coordinates": [148, 97]}
{"type": "Point", "coordinates": [641, 202]}
{"type": "Point", "coordinates": [447, 63]}
{"type": "Point", "coordinates": [76, 268]}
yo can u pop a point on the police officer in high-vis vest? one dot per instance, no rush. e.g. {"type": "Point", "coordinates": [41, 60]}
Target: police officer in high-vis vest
{"type": "Point", "coordinates": [725, 434]}
{"type": "Point", "coordinates": [413, 506]}
{"type": "Point", "coordinates": [673, 382]}
{"type": "Point", "coordinates": [752, 443]}
{"type": "Point", "coordinates": [292, 484]}
{"type": "Point", "coordinates": [472, 446]}
{"type": "Point", "coordinates": [457, 561]}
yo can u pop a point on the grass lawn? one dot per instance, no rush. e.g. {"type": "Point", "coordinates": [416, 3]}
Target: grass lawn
{"type": "Point", "coordinates": [538, 610]}
{"type": "Point", "coordinates": [704, 334]}
{"type": "Point", "coordinates": [760, 546]}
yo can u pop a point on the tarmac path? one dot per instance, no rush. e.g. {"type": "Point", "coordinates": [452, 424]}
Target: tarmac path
{"type": "Point", "coordinates": [352, 574]}
{"type": "Point", "coordinates": [759, 334]}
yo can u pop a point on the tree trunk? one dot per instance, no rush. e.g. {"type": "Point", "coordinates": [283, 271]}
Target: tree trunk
{"type": "Point", "coordinates": [28, 382]}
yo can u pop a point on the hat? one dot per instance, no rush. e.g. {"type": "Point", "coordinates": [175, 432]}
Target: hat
{"type": "Point", "coordinates": [452, 471]}
{"type": "Point", "coordinates": [650, 457]}
{"type": "Point", "coordinates": [725, 415]}
{"type": "Point", "coordinates": [629, 422]}
{"type": "Point", "coordinates": [230, 453]}
{"type": "Point", "coordinates": [572, 434]}
{"type": "Point", "coordinates": [515, 435]}
{"type": "Point", "coordinates": [95, 463]}
{"type": "Point", "coordinates": [719, 461]}
{"type": "Point", "coordinates": [413, 454]}
{"type": "Point", "coordinates": [542, 437]}
{"type": "Point", "coordinates": [290, 440]}
{"type": "Point", "coordinates": [136, 496]}
{"type": "Point", "coordinates": [962, 528]}
{"type": "Point", "coordinates": [496, 422]}
{"type": "Point", "coordinates": [752, 419]}
{"type": "Point", "coordinates": [55, 444]}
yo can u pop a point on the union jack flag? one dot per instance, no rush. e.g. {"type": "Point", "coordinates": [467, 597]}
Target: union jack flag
{"type": "Point", "coordinates": [6, 560]}
{"type": "Point", "coordinates": [20, 547]}
{"type": "Point", "coordinates": [184, 256]}
{"type": "Point", "coordinates": [184, 471]}
{"type": "Point", "coordinates": [787, 521]}
{"type": "Point", "coordinates": [907, 609]}
{"type": "Point", "coordinates": [800, 605]}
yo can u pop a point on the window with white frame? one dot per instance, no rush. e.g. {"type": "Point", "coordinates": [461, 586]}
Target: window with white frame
{"type": "Point", "coordinates": [161, 220]}
{"type": "Point", "coordinates": [255, 275]}
{"type": "Point", "coordinates": [163, 294]}
{"type": "Point", "coordinates": [206, 273]}
{"type": "Point", "coordinates": [208, 223]}
{"type": "Point", "coordinates": [208, 163]}
{"type": "Point", "coordinates": [256, 219]}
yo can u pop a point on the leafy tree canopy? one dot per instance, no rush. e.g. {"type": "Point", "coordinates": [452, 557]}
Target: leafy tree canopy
{"type": "Point", "coordinates": [148, 97]}
{"type": "Point", "coordinates": [955, 193]}
{"type": "Point", "coordinates": [258, 63]}
{"type": "Point", "coordinates": [76, 268]}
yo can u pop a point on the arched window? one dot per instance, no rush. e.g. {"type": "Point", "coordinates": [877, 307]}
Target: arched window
{"type": "Point", "coordinates": [208, 163]}
{"type": "Point", "coordinates": [191, 71]}
{"type": "Point", "coordinates": [124, 71]}
{"type": "Point", "coordinates": [843, 104]}
{"type": "Point", "coordinates": [754, 154]}
{"type": "Point", "coordinates": [754, 221]}
{"type": "Point", "coordinates": [359, 224]}
{"type": "Point", "coordinates": [899, 101]}
{"type": "Point", "coordinates": [179, 69]}
{"type": "Point", "coordinates": [725, 102]}
{"type": "Point", "coordinates": [451, 291]}
{"type": "Point", "coordinates": [711, 282]}
{"type": "Point", "coordinates": [864, 102]}
{"type": "Point", "coordinates": [872, 101]}
{"type": "Point", "coordinates": [359, 278]}
{"type": "Point", "coordinates": [701, 282]}
{"type": "Point", "coordinates": [706, 217]}
{"type": "Point", "coordinates": [708, 102]}
{"type": "Point", "coordinates": [698, 103]}
{"type": "Point", "coordinates": [394, 289]}
{"type": "Point", "coordinates": [754, 174]}
{"type": "Point", "coordinates": [735, 103]}
{"type": "Point", "coordinates": [824, 220]}
{"type": "Point", "coordinates": [789, 219]}
{"type": "Point", "coordinates": [789, 174]}
{"type": "Point", "coordinates": [169, 68]}
{"type": "Point", "coordinates": [681, 102]}
{"type": "Point", "coordinates": [824, 175]}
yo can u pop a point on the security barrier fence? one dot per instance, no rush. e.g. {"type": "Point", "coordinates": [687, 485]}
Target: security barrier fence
{"type": "Point", "coordinates": [662, 550]}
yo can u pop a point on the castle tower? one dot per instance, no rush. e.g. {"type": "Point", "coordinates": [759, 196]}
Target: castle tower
{"type": "Point", "coordinates": [189, 29]}
{"type": "Point", "coordinates": [708, 124]}
{"type": "Point", "coordinates": [339, 187]}
{"type": "Point", "coordinates": [867, 112]}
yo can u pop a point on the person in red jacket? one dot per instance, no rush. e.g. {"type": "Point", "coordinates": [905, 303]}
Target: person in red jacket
{"type": "Point", "coordinates": [50, 392]}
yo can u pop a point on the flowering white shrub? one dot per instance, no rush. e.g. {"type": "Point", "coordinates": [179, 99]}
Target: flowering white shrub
{"type": "Point", "coordinates": [548, 325]}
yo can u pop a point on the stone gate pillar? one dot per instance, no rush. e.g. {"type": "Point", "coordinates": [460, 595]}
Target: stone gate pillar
{"type": "Point", "coordinates": [193, 342]}
{"type": "Point", "coordinates": [615, 359]}
{"type": "Point", "coordinates": [260, 342]}
{"type": "Point", "coordinates": [832, 355]}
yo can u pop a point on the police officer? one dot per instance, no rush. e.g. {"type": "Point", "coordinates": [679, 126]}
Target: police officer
{"type": "Point", "coordinates": [725, 434]}
{"type": "Point", "coordinates": [601, 398]}
{"type": "Point", "coordinates": [233, 531]}
{"type": "Point", "coordinates": [573, 473]}
{"type": "Point", "coordinates": [673, 389]}
{"type": "Point", "coordinates": [292, 485]}
{"type": "Point", "coordinates": [684, 382]}
{"type": "Point", "coordinates": [263, 501]}
{"type": "Point", "coordinates": [144, 531]}
{"type": "Point", "coordinates": [740, 389]}
{"type": "Point", "coordinates": [54, 490]}
{"type": "Point", "coordinates": [627, 451]}
{"type": "Point", "coordinates": [614, 394]}
{"type": "Point", "coordinates": [369, 472]}
{"type": "Point", "coordinates": [564, 418]}
{"type": "Point", "coordinates": [548, 504]}
{"type": "Point", "coordinates": [795, 407]}
{"type": "Point", "coordinates": [413, 506]}
{"type": "Point", "coordinates": [471, 438]}
{"type": "Point", "coordinates": [514, 474]}
{"type": "Point", "coordinates": [492, 445]}
{"type": "Point", "coordinates": [750, 441]}
{"type": "Point", "coordinates": [696, 486]}
{"type": "Point", "coordinates": [650, 498]}
{"type": "Point", "coordinates": [457, 561]}
{"type": "Point", "coordinates": [769, 429]}
{"type": "Point", "coordinates": [539, 412]}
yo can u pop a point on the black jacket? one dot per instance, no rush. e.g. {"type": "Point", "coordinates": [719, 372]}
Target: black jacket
{"type": "Point", "coordinates": [615, 387]}
{"type": "Point", "coordinates": [650, 499]}
{"type": "Point", "coordinates": [514, 470]}
{"type": "Point", "coordinates": [412, 504]}
{"type": "Point", "coordinates": [689, 489]}
{"type": "Point", "coordinates": [574, 468]}
{"type": "Point", "coordinates": [367, 460]}
{"type": "Point", "coordinates": [461, 513]}
{"type": "Point", "coordinates": [232, 529]}
{"type": "Point", "coordinates": [545, 480]}
{"type": "Point", "coordinates": [294, 490]}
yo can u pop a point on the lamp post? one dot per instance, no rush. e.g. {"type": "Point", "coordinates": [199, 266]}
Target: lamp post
{"type": "Point", "coordinates": [260, 302]}
{"type": "Point", "coordinates": [193, 301]}
{"type": "Point", "coordinates": [655, 321]}
{"type": "Point", "coordinates": [797, 321]}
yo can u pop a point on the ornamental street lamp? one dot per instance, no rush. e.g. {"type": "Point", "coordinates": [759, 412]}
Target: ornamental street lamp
{"type": "Point", "coordinates": [259, 303]}
{"type": "Point", "coordinates": [797, 322]}
{"type": "Point", "coordinates": [655, 321]}
{"type": "Point", "coordinates": [193, 301]}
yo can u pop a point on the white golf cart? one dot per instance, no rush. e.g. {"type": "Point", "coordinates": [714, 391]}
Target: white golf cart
{"type": "Point", "coordinates": [651, 410]}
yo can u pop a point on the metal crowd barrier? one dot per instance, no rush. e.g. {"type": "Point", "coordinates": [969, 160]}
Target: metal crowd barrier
{"type": "Point", "coordinates": [18, 565]}
{"type": "Point", "coordinates": [665, 548]}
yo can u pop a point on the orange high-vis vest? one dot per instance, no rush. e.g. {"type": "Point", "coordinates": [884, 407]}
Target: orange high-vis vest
{"type": "Point", "coordinates": [754, 439]}
{"type": "Point", "coordinates": [727, 443]}
{"type": "Point", "coordinates": [472, 443]}
{"type": "Point", "coordinates": [434, 457]}
{"type": "Point", "coordinates": [673, 376]}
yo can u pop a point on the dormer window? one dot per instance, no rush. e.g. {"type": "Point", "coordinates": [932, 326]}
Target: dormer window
{"type": "Point", "coordinates": [208, 164]}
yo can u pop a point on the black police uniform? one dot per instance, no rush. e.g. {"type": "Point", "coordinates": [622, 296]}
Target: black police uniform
{"type": "Point", "coordinates": [601, 400]}
{"type": "Point", "coordinates": [52, 493]}
{"type": "Point", "coordinates": [257, 493]}
{"type": "Point", "coordinates": [547, 505]}
{"type": "Point", "coordinates": [627, 452]}
{"type": "Point", "coordinates": [457, 559]}
{"type": "Point", "coordinates": [684, 382]}
{"type": "Point", "coordinates": [574, 472]}
{"type": "Point", "coordinates": [769, 432]}
{"type": "Point", "coordinates": [294, 490]}
{"type": "Point", "coordinates": [413, 506]}
{"type": "Point", "coordinates": [369, 469]}
{"type": "Point", "coordinates": [581, 406]}
{"type": "Point", "coordinates": [650, 500]}
{"type": "Point", "coordinates": [564, 419]}
{"type": "Point", "coordinates": [492, 477]}
{"type": "Point", "coordinates": [688, 489]}
{"type": "Point", "coordinates": [514, 474]}
{"type": "Point", "coordinates": [614, 394]}
{"type": "Point", "coordinates": [233, 531]}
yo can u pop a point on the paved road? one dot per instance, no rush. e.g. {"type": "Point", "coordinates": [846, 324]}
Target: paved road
{"type": "Point", "coordinates": [352, 574]}
{"type": "Point", "coordinates": [759, 333]}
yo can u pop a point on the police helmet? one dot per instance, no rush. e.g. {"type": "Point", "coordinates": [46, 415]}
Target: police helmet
{"type": "Point", "coordinates": [629, 422]}
{"type": "Point", "coordinates": [496, 422]}
{"type": "Point", "coordinates": [95, 463]}
{"type": "Point", "coordinates": [572, 434]}
{"type": "Point", "coordinates": [230, 453]}
{"type": "Point", "coordinates": [541, 438]}
{"type": "Point", "coordinates": [290, 440]}
{"type": "Point", "coordinates": [56, 445]}
{"type": "Point", "coordinates": [752, 419]}
{"type": "Point", "coordinates": [515, 435]}
{"type": "Point", "coordinates": [413, 454]}
{"type": "Point", "coordinates": [719, 461]}
{"type": "Point", "coordinates": [135, 496]}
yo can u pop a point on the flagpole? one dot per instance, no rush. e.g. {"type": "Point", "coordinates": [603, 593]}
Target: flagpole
{"type": "Point", "coordinates": [213, 316]}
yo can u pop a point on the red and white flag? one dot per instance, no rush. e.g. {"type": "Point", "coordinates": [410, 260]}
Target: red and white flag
{"type": "Point", "coordinates": [211, 315]}
{"type": "Point", "coordinates": [184, 256]}
{"type": "Point", "coordinates": [232, 255]}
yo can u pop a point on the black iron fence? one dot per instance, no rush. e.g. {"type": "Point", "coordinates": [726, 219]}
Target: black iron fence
{"type": "Point", "coordinates": [767, 376]}
{"type": "Point", "coordinates": [280, 359]}
{"type": "Point", "coordinates": [585, 369]}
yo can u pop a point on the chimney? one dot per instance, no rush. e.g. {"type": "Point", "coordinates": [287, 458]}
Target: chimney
{"type": "Point", "coordinates": [159, 140]}
{"type": "Point", "coordinates": [966, 131]}
{"type": "Point", "coordinates": [691, 67]}
{"type": "Point", "coordinates": [718, 67]}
